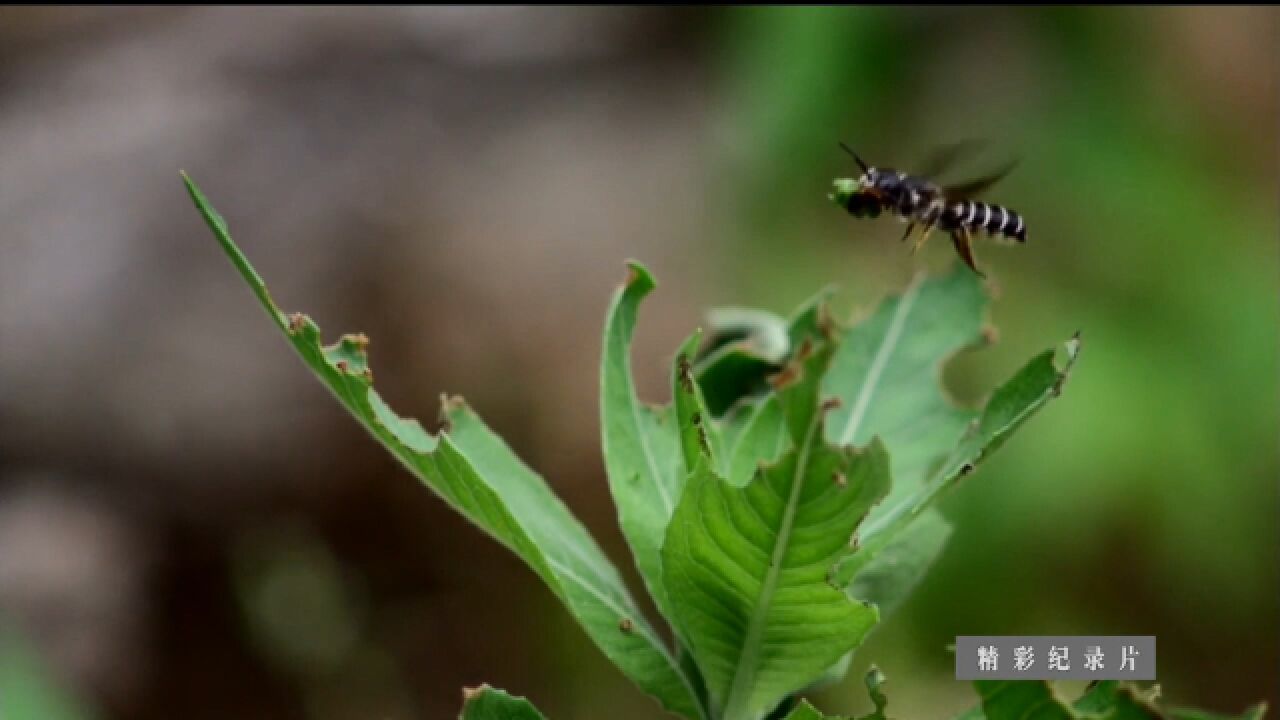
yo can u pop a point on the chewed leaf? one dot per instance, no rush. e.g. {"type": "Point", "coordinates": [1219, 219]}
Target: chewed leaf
{"type": "Point", "coordinates": [1011, 405]}
{"type": "Point", "coordinates": [486, 703]}
{"type": "Point", "coordinates": [642, 445]}
{"type": "Point", "coordinates": [747, 567]}
{"type": "Point", "coordinates": [747, 346]}
{"type": "Point", "coordinates": [887, 374]}
{"type": "Point", "coordinates": [478, 475]}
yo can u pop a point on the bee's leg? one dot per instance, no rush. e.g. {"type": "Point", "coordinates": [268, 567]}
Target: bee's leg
{"type": "Point", "coordinates": [907, 234]}
{"type": "Point", "coordinates": [961, 238]}
{"type": "Point", "coordinates": [923, 237]}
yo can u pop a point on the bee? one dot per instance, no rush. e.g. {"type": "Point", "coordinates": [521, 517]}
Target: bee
{"type": "Point", "coordinates": [920, 201]}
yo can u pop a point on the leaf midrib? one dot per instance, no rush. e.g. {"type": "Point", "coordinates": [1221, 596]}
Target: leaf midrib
{"type": "Point", "coordinates": [745, 670]}
{"type": "Point", "coordinates": [878, 363]}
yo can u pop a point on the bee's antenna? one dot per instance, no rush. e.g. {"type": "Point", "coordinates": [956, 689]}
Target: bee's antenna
{"type": "Point", "coordinates": [855, 157]}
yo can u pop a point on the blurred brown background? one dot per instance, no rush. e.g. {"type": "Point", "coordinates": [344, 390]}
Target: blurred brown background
{"type": "Point", "coordinates": [190, 527]}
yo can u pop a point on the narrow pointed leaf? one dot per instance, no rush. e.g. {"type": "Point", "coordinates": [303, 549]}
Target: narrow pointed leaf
{"type": "Point", "coordinates": [477, 474]}
{"type": "Point", "coordinates": [486, 703]}
{"type": "Point", "coordinates": [641, 445]}
{"type": "Point", "coordinates": [747, 568]}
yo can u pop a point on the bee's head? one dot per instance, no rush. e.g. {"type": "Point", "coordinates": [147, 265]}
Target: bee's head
{"type": "Point", "coordinates": [873, 180]}
{"type": "Point", "coordinates": [842, 189]}
{"type": "Point", "coordinates": [881, 180]}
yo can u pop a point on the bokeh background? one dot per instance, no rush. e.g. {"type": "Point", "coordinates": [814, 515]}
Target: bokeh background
{"type": "Point", "coordinates": [191, 528]}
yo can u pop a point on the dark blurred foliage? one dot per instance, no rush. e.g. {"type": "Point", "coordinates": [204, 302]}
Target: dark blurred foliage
{"type": "Point", "coordinates": [190, 527]}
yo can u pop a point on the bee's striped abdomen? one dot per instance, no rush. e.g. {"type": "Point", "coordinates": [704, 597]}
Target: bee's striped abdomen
{"type": "Point", "coordinates": [994, 219]}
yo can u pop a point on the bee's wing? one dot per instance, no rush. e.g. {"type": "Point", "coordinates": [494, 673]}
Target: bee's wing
{"type": "Point", "coordinates": [941, 158]}
{"type": "Point", "coordinates": [977, 186]}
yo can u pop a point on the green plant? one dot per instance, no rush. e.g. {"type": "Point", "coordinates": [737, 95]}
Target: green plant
{"type": "Point", "coordinates": [758, 503]}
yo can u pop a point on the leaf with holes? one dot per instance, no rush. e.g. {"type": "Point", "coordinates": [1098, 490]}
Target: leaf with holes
{"type": "Point", "coordinates": [1011, 405]}
{"type": "Point", "coordinates": [747, 567]}
{"type": "Point", "coordinates": [642, 445]}
{"type": "Point", "coordinates": [473, 470]}
{"type": "Point", "coordinates": [887, 375]}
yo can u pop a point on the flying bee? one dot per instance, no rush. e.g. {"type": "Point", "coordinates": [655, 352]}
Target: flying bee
{"type": "Point", "coordinates": [919, 200]}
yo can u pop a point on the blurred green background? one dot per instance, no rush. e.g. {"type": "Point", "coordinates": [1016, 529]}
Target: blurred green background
{"type": "Point", "coordinates": [190, 527]}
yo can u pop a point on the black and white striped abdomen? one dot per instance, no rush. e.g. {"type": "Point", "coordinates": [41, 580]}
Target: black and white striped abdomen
{"type": "Point", "coordinates": [993, 219]}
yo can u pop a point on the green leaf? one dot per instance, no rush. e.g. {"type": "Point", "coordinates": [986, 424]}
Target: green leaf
{"type": "Point", "coordinates": [887, 374]}
{"type": "Point", "coordinates": [747, 346]}
{"type": "Point", "coordinates": [1105, 700]}
{"type": "Point", "coordinates": [874, 679]}
{"type": "Point", "coordinates": [754, 430]}
{"type": "Point", "coordinates": [28, 688]}
{"type": "Point", "coordinates": [1011, 405]}
{"type": "Point", "coordinates": [700, 439]}
{"type": "Point", "coordinates": [885, 578]}
{"type": "Point", "coordinates": [1021, 700]}
{"type": "Point", "coordinates": [1129, 703]}
{"type": "Point", "coordinates": [486, 703]}
{"type": "Point", "coordinates": [1098, 697]}
{"type": "Point", "coordinates": [731, 373]}
{"type": "Point", "coordinates": [473, 470]}
{"type": "Point", "coordinates": [910, 530]}
{"type": "Point", "coordinates": [642, 446]}
{"type": "Point", "coordinates": [747, 567]}
{"type": "Point", "coordinates": [760, 333]}
{"type": "Point", "coordinates": [805, 711]}
{"type": "Point", "coordinates": [761, 437]}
